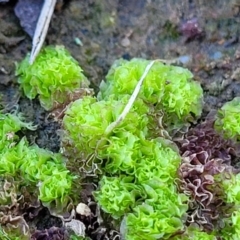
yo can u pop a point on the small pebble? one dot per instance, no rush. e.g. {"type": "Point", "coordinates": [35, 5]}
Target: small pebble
{"type": "Point", "coordinates": [184, 59]}
{"type": "Point", "coordinates": [83, 209]}
{"type": "Point", "coordinates": [125, 42]}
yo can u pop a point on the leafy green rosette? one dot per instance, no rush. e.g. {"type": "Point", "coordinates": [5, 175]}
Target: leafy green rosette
{"type": "Point", "coordinates": [228, 119]}
{"type": "Point", "coordinates": [182, 96]}
{"type": "Point", "coordinates": [10, 124]}
{"type": "Point", "coordinates": [32, 165]}
{"type": "Point", "coordinates": [86, 121]}
{"type": "Point", "coordinates": [53, 76]}
{"type": "Point", "coordinates": [117, 195]}
{"type": "Point", "coordinates": [159, 217]}
{"type": "Point", "coordinates": [231, 231]}
{"type": "Point", "coordinates": [231, 186]}
{"type": "Point", "coordinates": [169, 88]}
{"type": "Point", "coordinates": [121, 154]}
{"type": "Point", "coordinates": [157, 160]}
{"type": "Point", "coordinates": [124, 75]}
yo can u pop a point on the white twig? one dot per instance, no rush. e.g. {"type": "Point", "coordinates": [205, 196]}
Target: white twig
{"type": "Point", "coordinates": [130, 101]}
{"type": "Point", "coordinates": [42, 28]}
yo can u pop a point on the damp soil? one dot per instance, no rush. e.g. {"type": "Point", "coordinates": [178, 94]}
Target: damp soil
{"type": "Point", "coordinates": [200, 35]}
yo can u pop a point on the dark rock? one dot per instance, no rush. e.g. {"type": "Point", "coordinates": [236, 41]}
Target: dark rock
{"type": "Point", "coordinates": [28, 12]}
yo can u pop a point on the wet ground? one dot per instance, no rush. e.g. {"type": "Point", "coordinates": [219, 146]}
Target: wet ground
{"type": "Point", "coordinates": [201, 35]}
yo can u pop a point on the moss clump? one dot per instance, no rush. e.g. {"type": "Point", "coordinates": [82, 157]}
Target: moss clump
{"type": "Point", "coordinates": [35, 166]}
{"type": "Point", "coordinates": [117, 195]}
{"type": "Point", "coordinates": [168, 88]}
{"type": "Point", "coordinates": [137, 170]}
{"type": "Point", "coordinates": [228, 119]}
{"type": "Point", "coordinates": [86, 120]}
{"type": "Point", "coordinates": [231, 187]}
{"type": "Point", "coordinates": [52, 77]}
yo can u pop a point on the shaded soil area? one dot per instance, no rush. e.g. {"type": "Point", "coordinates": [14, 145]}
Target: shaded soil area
{"type": "Point", "coordinates": [200, 35]}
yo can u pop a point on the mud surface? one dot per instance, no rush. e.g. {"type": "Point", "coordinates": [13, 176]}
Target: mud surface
{"type": "Point", "coordinates": [200, 35]}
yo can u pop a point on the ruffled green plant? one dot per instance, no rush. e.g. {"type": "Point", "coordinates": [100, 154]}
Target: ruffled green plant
{"type": "Point", "coordinates": [228, 119]}
{"type": "Point", "coordinates": [231, 186]}
{"type": "Point", "coordinates": [53, 76]}
{"type": "Point", "coordinates": [56, 187]}
{"type": "Point", "coordinates": [117, 195]}
{"type": "Point", "coordinates": [157, 160]}
{"type": "Point", "coordinates": [159, 217]}
{"type": "Point", "coordinates": [126, 153]}
{"type": "Point", "coordinates": [232, 228]}
{"type": "Point", "coordinates": [140, 171]}
{"type": "Point", "coordinates": [86, 121]}
{"type": "Point", "coordinates": [14, 234]}
{"type": "Point", "coordinates": [169, 87]}
{"type": "Point", "coordinates": [10, 124]}
{"type": "Point", "coordinates": [198, 234]}
{"type": "Point", "coordinates": [121, 154]}
{"type": "Point", "coordinates": [182, 96]}
{"type": "Point", "coordinates": [36, 166]}
{"type": "Point", "coordinates": [124, 75]}
{"type": "Point", "coordinates": [152, 170]}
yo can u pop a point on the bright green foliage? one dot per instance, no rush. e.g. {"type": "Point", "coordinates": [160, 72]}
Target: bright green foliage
{"type": "Point", "coordinates": [152, 166]}
{"type": "Point", "coordinates": [31, 163]}
{"type": "Point", "coordinates": [53, 75]}
{"type": "Point", "coordinates": [121, 154]}
{"type": "Point", "coordinates": [228, 121]}
{"type": "Point", "coordinates": [41, 172]}
{"type": "Point", "coordinates": [129, 154]}
{"type": "Point", "coordinates": [159, 216]}
{"type": "Point", "coordinates": [37, 163]}
{"type": "Point", "coordinates": [168, 86]}
{"type": "Point", "coordinates": [162, 209]}
{"type": "Point", "coordinates": [232, 189]}
{"type": "Point", "coordinates": [197, 234]}
{"type": "Point", "coordinates": [124, 75]}
{"type": "Point", "coordinates": [231, 186]}
{"type": "Point", "coordinates": [193, 233]}
{"type": "Point", "coordinates": [235, 225]}
{"type": "Point", "coordinates": [232, 228]}
{"type": "Point", "coordinates": [12, 158]}
{"type": "Point", "coordinates": [37, 166]}
{"type": "Point", "coordinates": [117, 195]}
{"type": "Point", "coordinates": [140, 170]}
{"type": "Point", "coordinates": [182, 96]}
{"type": "Point", "coordinates": [9, 125]}
{"type": "Point", "coordinates": [158, 161]}
{"type": "Point", "coordinates": [55, 187]}
{"type": "Point", "coordinates": [13, 234]}
{"type": "Point", "coordinates": [86, 121]}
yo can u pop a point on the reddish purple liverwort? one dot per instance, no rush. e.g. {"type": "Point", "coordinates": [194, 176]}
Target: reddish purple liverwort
{"type": "Point", "coordinates": [191, 29]}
